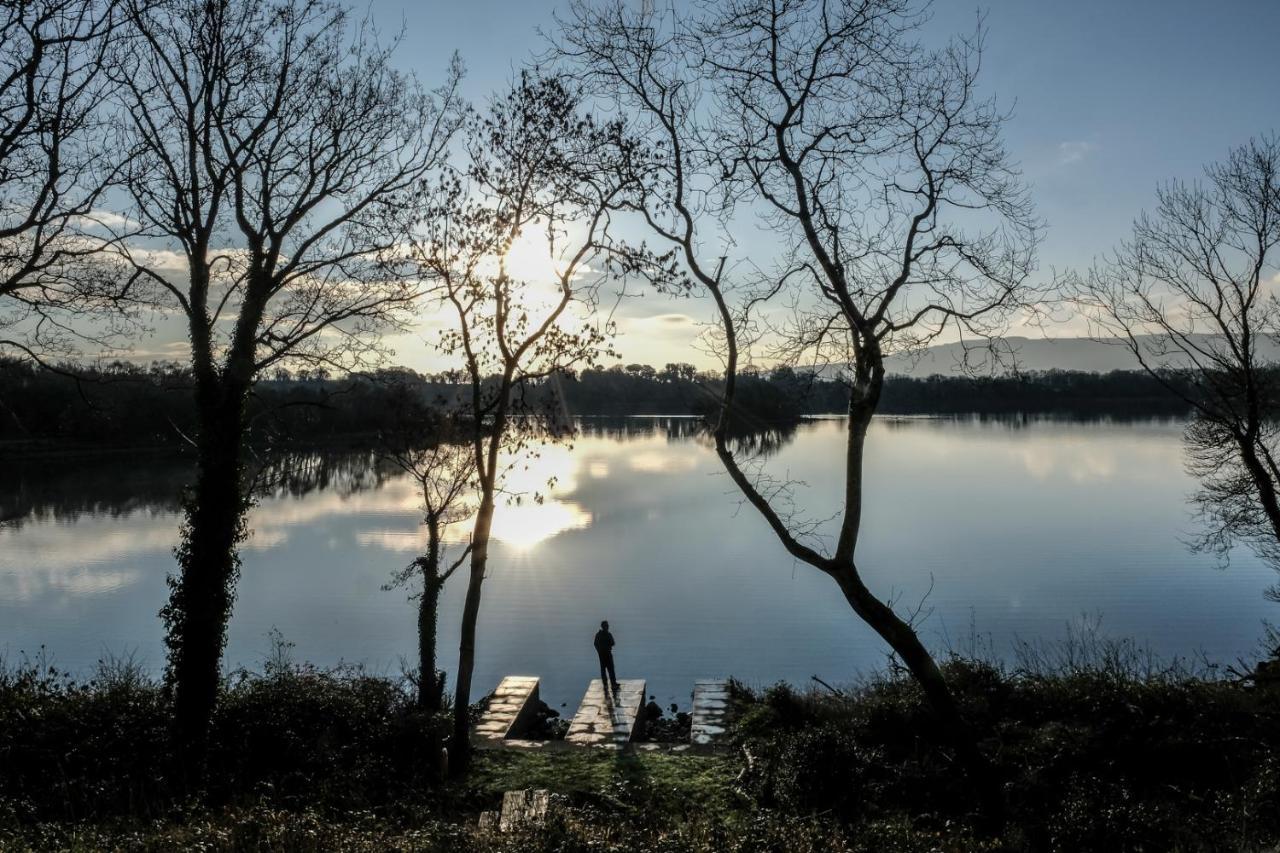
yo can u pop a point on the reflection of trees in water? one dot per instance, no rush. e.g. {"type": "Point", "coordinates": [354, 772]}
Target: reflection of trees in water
{"type": "Point", "coordinates": [113, 486]}
{"type": "Point", "coordinates": [65, 489]}
{"type": "Point", "coordinates": [623, 428]}
{"type": "Point", "coordinates": [1015, 422]}
{"type": "Point", "coordinates": [761, 441]}
{"type": "Point", "coordinates": [755, 440]}
{"type": "Point", "coordinates": [300, 472]}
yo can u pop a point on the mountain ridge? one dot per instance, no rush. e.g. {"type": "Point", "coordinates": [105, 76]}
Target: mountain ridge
{"type": "Point", "coordinates": [1089, 355]}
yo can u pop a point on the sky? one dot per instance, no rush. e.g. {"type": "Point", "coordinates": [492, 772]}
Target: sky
{"type": "Point", "coordinates": [1108, 100]}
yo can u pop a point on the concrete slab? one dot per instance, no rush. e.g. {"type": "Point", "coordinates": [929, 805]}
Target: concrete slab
{"type": "Point", "coordinates": [603, 720]}
{"type": "Point", "coordinates": [710, 710]}
{"type": "Point", "coordinates": [510, 709]}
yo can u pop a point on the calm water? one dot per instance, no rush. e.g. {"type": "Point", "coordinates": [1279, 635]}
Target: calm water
{"type": "Point", "coordinates": [1019, 528]}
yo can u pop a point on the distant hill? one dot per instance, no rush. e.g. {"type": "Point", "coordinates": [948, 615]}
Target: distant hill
{"type": "Point", "coordinates": [1035, 354]}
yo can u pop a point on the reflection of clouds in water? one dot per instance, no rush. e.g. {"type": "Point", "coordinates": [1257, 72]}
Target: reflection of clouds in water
{"type": "Point", "coordinates": [527, 523]}
{"type": "Point", "coordinates": [519, 518]}
{"type": "Point", "coordinates": [25, 587]}
{"type": "Point", "coordinates": [398, 541]}
{"type": "Point", "coordinates": [522, 521]}
{"type": "Point", "coordinates": [552, 472]}
{"type": "Point", "coordinates": [81, 558]}
{"type": "Point", "coordinates": [397, 497]}
{"type": "Point", "coordinates": [51, 546]}
{"type": "Point", "coordinates": [1085, 462]}
{"type": "Point", "coordinates": [1079, 454]}
{"type": "Point", "coordinates": [662, 461]}
{"type": "Point", "coordinates": [521, 525]}
{"type": "Point", "coordinates": [264, 540]}
{"type": "Point", "coordinates": [97, 555]}
{"type": "Point", "coordinates": [1074, 461]}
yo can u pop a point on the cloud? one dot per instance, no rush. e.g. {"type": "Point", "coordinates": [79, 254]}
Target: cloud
{"type": "Point", "coordinates": [108, 219]}
{"type": "Point", "coordinates": [1074, 152]}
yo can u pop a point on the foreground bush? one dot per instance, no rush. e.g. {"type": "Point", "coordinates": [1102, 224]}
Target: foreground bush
{"type": "Point", "coordinates": [1102, 752]}
{"type": "Point", "coordinates": [76, 750]}
{"type": "Point", "coordinates": [1094, 757]}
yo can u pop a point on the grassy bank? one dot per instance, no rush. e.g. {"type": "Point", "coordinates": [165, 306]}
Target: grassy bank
{"type": "Point", "coordinates": [1099, 749]}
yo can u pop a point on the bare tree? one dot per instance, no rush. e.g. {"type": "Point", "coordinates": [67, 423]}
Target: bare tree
{"type": "Point", "coordinates": [896, 215]}
{"type": "Point", "coordinates": [516, 243]}
{"type": "Point", "coordinates": [55, 166]}
{"type": "Point", "coordinates": [275, 150]}
{"type": "Point", "coordinates": [444, 472]}
{"type": "Point", "coordinates": [1192, 296]}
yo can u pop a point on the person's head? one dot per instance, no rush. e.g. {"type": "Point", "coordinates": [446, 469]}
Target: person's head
{"type": "Point", "coordinates": [604, 626]}
{"type": "Point", "coordinates": [650, 698]}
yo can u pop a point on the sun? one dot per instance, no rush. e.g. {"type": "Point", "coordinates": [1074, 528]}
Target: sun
{"type": "Point", "coordinates": [530, 259]}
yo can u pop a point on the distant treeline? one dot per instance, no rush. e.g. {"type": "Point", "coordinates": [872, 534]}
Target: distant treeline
{"type": "Point", "coordinates": [785, 392]}
{"type": "Point", "coordinates": [129, 405]}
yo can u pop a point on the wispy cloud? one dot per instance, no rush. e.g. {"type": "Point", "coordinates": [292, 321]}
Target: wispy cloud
{"type": "Point", "coordinates": [1074, 151]}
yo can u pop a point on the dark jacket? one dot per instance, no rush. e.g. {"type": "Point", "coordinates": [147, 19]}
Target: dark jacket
{"type": "Point", "coordinates": [604, 643]}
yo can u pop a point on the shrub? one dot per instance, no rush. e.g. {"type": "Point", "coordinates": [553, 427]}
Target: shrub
{"type": "Point", "coordinates": [73, 750]}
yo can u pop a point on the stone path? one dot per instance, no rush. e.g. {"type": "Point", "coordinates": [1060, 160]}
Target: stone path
{"type": "Point", "coordinates": [511, 707]}
{"type": "Point", "coordinates": [604, 721]}
{"type": "Point", "coordinates": [710, 708]}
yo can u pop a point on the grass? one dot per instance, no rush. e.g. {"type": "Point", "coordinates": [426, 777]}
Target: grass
{"type": "Point", "coordinates": [690, 781]}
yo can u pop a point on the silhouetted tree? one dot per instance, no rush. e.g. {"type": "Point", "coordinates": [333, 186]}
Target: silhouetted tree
{"type": "Point", "coordinates": [274, 152]}
{"type": "Point", "coordinates": [55, 165]}
{"type": "Point", "coordinates": [883, 177]}
{"type": "Point", "coordinates": [679, 371]}
{"type": "Point", "coordinates": [1192, 296]}
{"type": "Point", "coordinates": [444, 473]}
{"type": "Point", "coordinates": [538, 173]}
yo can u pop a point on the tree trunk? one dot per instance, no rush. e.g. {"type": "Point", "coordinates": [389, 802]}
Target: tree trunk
{"type": "Point", "coordinates": [208, 566]}
{"type": "Point", "coordinates": [430, 687]}
{"type": "Point", "coordinates": [895, 631]}
{"type": "Point", "coordinates": [461, 753]}
{"type": "Point", "coordinates": [952, 726]}
{"type": "Point", "coordinates": [1262, 481]}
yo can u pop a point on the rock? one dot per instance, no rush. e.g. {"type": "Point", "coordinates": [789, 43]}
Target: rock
{"type": "Point", "coordinates": [527, 807]}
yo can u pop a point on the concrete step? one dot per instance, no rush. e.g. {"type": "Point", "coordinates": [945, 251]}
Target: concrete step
{"type": "Point", "coordinates": [510, 709]}
{"type": "Point", "coordinates": [710, 710]}
{"type": "Point", "coordinates": [603, 720]}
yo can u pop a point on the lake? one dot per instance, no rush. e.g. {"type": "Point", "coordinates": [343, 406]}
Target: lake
{"type": "Point", "coordinates": [1010, 529]}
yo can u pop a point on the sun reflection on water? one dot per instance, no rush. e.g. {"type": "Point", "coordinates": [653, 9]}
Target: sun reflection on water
{"type": "Point", "coordinates": [535, 503]}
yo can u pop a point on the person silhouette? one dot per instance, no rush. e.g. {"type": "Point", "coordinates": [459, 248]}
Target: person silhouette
{"type": "Point", "coordinates": [604, 650]}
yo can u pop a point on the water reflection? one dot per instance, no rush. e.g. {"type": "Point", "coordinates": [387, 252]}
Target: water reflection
{"type": "Point", "coordinates": [1020, 525]}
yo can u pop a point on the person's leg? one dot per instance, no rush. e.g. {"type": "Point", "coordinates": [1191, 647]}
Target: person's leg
{"type": "Point", "coordinates": [613, 676]}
